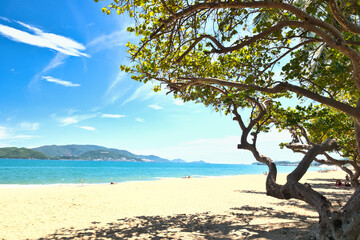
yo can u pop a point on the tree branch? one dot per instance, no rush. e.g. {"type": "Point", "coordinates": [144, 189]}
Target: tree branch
{"type": "Point", "coordinates": [279, 88]}
{"type": "Point", "coordinates": [258, 4]}
{"type": "Point", "coordinates": [167, 8]}
{"type": "Point", "coordinates": [346, 24]}
{"type": "Point", "coordinates": [300, 170]}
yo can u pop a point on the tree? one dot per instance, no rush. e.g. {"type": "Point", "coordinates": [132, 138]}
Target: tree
{"type": "Point", "coordinates": [312, 125]}
{"type": "Point", "coordinates": [235, 54]}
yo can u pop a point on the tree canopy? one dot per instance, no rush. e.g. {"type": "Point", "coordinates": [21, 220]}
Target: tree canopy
{"type": "Point", "coordinates": [237, 54]}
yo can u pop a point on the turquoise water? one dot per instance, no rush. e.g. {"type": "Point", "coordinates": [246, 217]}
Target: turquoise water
{"type": "Point", "coordinates": [25, 172]}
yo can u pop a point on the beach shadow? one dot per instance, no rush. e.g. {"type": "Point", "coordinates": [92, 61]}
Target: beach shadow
{"type": "Point", "coordinates": [240, 223]}
{"type": "Point", "coordinates": [250, 191]}
{"type": "Point", "coordinates": [245, 222]}
{"type": "Point", "coordinates": [330, 180]}
{"type": "Point", "coordinates": [338, 195]}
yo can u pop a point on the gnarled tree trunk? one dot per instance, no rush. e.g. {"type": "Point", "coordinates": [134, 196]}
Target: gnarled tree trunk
{"type": "Point", "coordinates": [343, 224]}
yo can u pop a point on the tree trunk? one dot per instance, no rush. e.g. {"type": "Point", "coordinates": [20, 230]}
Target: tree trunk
{"type": "Point", "coordinates": [343, 224]}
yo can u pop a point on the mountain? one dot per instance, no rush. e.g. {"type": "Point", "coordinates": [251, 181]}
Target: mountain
{"type": "Point", "coordinates": [21, 153]}
{"type": "Point", "coordinates": [178, 160]}
{"type": "Point", "coordinates": [108, 155]}
{"type": "Point", "coordinates": [94, 152]}
{"type": "Point", "coordinates": [67, 150]}
{"type": "Point", "coordinates": [199, 162]}
{"type": "Point", "coordinates": [154, 158]}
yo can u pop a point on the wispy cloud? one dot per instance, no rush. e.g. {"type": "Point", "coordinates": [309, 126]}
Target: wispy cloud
{"type": "Point", "coordinates": [139, 120]}
{"type": "Point", "coordinates": [39, 38]}
{"type": "Point", "coordinates": [156, 107]}
{"type": "Point", "coordinates": [118, 79]}
{"type": "Point", "coordinates": [11, 134]}
{"type": "Point", "coordinates": [60, 82]}
{"type": "Point", "coordinates": [68, 121]}
{"type": "Point", "coordinates": [143, 92]}
{"type": "Point", "coordinates": [58, 60]}
{"type": "Point", "coordinates": [88, 128]}
{"type": "Point", "coordinates": [24, 137]}
{"type": "Point", "coordinates": [26, 126]}
{"type": "Point", "coordinates": [3, 133]}
{"type": "Point", "coordinates": [106, 41]}
{"type": "Point", "coordinates": [112, 116]}
{"type": "Point", "coordinates": [5, 19]}
{"type": "Point", "coordinates": [116, 90]}
{"type": "Point", "coordinates": [65, 121]}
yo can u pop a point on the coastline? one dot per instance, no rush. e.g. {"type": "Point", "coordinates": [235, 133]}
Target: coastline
{"type": "Point", "coordinates": [40, 172]}
{"type": "Point", "coordinates": [37, 212]}
{"type": "Point", "coordinates": [127, 181]}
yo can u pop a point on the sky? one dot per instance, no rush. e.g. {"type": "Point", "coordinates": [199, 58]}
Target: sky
{"type": "Point", "coordinates": [61, 84]}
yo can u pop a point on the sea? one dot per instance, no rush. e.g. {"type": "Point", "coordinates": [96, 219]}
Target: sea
{"type": "Point", "coordinates": [25, 172]}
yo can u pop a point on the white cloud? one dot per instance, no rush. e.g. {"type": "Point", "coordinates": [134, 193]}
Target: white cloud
{"type": "Point", "coordinates": [68, 120]}
{"type": "Point", "coordinates": [26, 126]}
{"type": "Point", "coordinates": [65, 121]}
{"type": "Point", "coordinates": [55, 62]}
{"type": "Point", "coordinates": [87, 128]}
{"type": "Point", "coordinates": [139, 120]}
{"type": "Point", "coordinates": [5, 19]}
{"type": "Point", "coordinates": [178, 101]}
{"type": "Point", "coordinates": [118, 79]}
{"type": "Point", "coordinates": [3, 133]}
{"type": "Point", "coordinates": [58, 60]}
{"type": "Point", "coordinates": [143, 92]}
{"type": "Point", "coordinates": [156, 107]}
{"type": "Point", "coordinates": [10, 134]}
{"type": "Point", "coordinates": [42, 39]}
{"type": "Point", "coordinates": [112, 116]}
{"type": "Point", "coordinates": [116, 90]}
{"type": "Point", "coordinates": [106, 41]}
{"type": "Point", "coordinates": [60, 82]}
{"type": "Point", "coordinates": [24, 137]}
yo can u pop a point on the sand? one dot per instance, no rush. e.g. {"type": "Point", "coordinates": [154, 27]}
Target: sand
{"type": "Point", "coordinates": [234, 207]}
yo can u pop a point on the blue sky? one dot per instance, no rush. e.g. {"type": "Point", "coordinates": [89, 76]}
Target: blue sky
{"type": "Point", "coordinates": [61, 84]}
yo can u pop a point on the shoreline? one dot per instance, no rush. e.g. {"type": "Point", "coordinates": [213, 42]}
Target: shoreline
{"type": "Point", "coordinates": [85, 184]}
{"type": "Point", "coordinates": [32, 213]}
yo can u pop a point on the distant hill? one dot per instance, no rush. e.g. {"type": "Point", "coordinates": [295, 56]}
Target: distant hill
{"type": "Point", "coordinates": [67, 150]}
{"type": "Point", "coordinates": [178, 161]}
{"type": "Point", "coordinates": [154, 158]}
{"type": "Point", "coordinates": [108, 155]}
{"type": "Point", "coordinates": [21, 153]}
{"type": "Point", "coordinates": [94, 152]}
{"type": "Point", "coordinates": [198, 162]}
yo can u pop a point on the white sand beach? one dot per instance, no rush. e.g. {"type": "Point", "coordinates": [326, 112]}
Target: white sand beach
{"type": "Point", "coordinates": [234, 207]}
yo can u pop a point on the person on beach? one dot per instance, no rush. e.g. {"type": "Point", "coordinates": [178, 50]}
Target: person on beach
{"type": "Point", "coordinates": [338, 183]}
{"type": "Point", "coordinates": [347, 181]}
